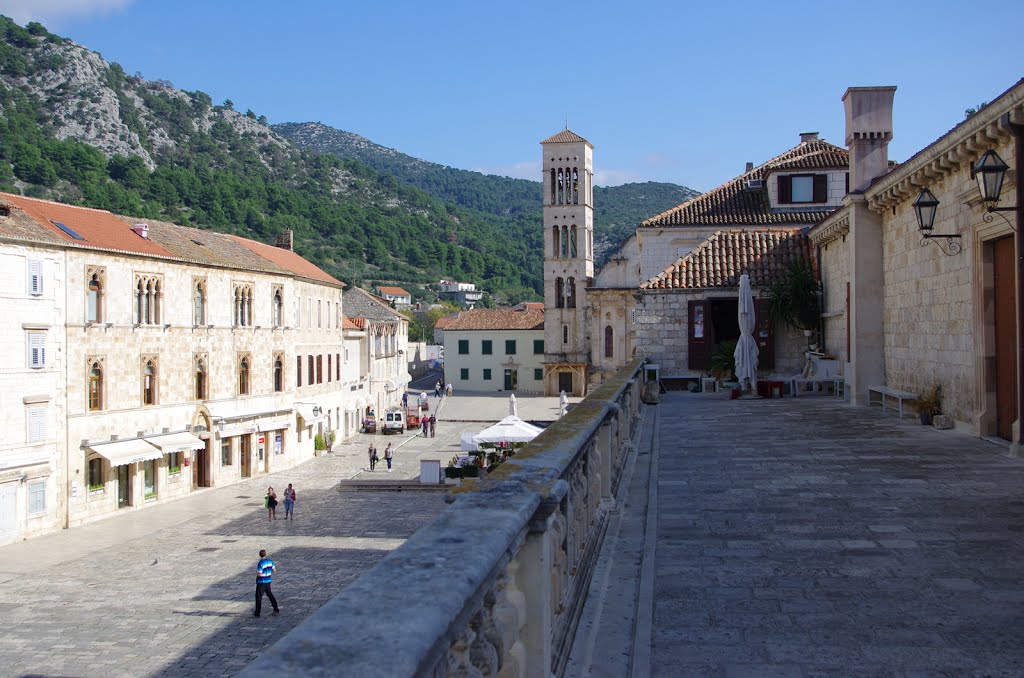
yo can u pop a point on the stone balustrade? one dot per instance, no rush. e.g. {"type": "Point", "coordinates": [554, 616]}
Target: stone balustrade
{"type": "Point", "coordinates": [496, 584]}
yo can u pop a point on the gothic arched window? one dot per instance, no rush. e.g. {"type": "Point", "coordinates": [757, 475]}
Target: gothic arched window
{"type": "Point", "coordinates": [570, 293]}
{"type": "Point", "coordinates": [575, 187]}
{"type": "Point", "coordinates": [96, 386]}
{"type": "Point", "coordinates": [609, 345]}
{"type": "Point", "coordinates": [572, 241]}
{"type": "Point", "coordinates": [556, 241]}
{"type": "Point", "coordinates": [199, 304]}
{"type": "Point", "coordinates": [243, 376]}
{"type": "Point", "coordinates": [149, 383]}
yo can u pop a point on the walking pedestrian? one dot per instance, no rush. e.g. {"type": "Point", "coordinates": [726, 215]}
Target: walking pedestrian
{"type": "Point", "coordinates": [437, 389]}
{"type": "Point", "coordinates": [289, 502]}
{"type": "Point", "coordinates": [265, 570]}
{"type": "Point", "coordinates": [405, 400]}
{"type": "Point", "coordinates": [373, 456]}
{"type": "Point", "coordinates": [433, 423]}
{"type": "Point", "coordinates": [448, 390]}
{"type": "Point", "coordinates": [426, 426]}
{"type": "Point", "coordinates": [270, 501]}
{"type": "Point", "coordinates": [388, 454]}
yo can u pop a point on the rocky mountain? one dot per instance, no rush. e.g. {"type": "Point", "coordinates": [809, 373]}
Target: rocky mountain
{"type": "Point", "coordinates": [77, 129]}
{"type": "Point", "coordinates": [618, 209]}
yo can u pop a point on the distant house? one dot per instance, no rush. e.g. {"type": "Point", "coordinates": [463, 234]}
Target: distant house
{"type": "Point", "coordinates": [396, 294]}
{"type": "Point", "coordinates": [463, 293]}
{"type": "Point", "coordinates": [495, 350]}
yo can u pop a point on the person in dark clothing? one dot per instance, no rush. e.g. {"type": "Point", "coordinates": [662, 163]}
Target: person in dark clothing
{"type": "Point", "coordinates": [433, 423]}
{"type": "Point", "coordinates": [264, 574]}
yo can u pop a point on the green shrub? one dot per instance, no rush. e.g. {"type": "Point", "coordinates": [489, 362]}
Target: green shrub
{"type": "Point", "coordinates": [318, 442]}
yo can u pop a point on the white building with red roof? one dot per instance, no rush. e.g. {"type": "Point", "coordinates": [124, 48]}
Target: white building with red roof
{"type": "Point", "coordinates": [495, 350]}
{"type": "Point", "coordinates": [157, 360]}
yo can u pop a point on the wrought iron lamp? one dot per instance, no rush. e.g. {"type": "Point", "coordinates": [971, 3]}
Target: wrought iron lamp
{"type": "Point", "coordinates": [925, 208]}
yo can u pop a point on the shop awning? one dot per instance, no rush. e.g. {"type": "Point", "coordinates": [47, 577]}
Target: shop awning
{"type": "Point", "coordinates": [170, 443]}
{"type": "Point", "coordinates": [275, 425]}
{"type": "Point", "coordinates": [309, 412]}
{"type": "Point", "coordinates": [122, 452]}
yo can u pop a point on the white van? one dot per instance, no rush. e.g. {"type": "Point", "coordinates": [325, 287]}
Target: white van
{"type": "Point", "coordinates": [394, 422]}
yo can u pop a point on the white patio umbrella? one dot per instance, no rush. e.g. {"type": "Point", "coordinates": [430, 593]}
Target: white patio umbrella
{"type": "Point", "coordinates": [508, 430]}
{"type": "Point", "coordinates": [512, 408]}
{"type": "Point", "coordinates": [746, 348]}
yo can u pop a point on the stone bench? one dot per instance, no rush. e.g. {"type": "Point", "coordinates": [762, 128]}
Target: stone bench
{"type": "Point", "coordinates": [885, 392]}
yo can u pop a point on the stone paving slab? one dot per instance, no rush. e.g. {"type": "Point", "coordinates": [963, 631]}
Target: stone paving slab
{"type": "Point", "coordinates": [168, 591]}
{"type": "Point", "coordinates": [809, 538]}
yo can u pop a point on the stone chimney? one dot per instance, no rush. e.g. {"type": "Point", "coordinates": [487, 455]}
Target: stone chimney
{"type": "Point", "coordinates": [868, 133]}
{"type": "Point", "coordinates": [808, 136]}
{"type": "Point", "coordinates": [750, 167]}
{"type": "Point", "coordinates": [284, 240]}
{"type": "Point", "coordinates": [141, 230]}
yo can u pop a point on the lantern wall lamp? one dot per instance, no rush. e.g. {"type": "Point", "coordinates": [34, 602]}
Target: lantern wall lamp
{"type": "Point", "coordinates": [925, 208]}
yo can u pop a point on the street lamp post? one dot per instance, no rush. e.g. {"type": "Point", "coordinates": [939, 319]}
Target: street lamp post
{"type": "Point", "coordinates": [989, 171]}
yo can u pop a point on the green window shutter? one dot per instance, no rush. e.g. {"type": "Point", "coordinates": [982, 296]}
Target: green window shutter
{"type": "Point", "coordinates": [487, 375]}
{"type": "Point", "coordinates": [463, 346]}
{"type": "Point", "coordinates": [538, 374]}
{"type": "Point", "coordinates": [464, 373]}
{"type": "Point", "coordinates": [510, 347]}
{"type": "Point", "coordinates": [538, 346]}
{"type": "Point", "coordinates": [486, 347]}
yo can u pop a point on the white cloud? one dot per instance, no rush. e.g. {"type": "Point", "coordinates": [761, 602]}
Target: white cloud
{"type": "Point", "coordinates": [517, 170]}
{"type": "Point", "coordinates": [48, 12]}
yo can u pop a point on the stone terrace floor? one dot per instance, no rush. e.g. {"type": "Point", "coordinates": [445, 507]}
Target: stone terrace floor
{"type": "Point", "coordinates": [805, 537]}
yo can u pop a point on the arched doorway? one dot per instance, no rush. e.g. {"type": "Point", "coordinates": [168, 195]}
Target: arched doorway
{"type": "Point", "coordinates": [201, 473]}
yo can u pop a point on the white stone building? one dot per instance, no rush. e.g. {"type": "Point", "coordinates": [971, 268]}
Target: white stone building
{"type": "Point", "coordinates": [398, 295]}
{"type": "Point", "coordinates": [496, 350]}
{"type": "Point", "coordinates": [176, 359]}
{"type": "Point", "coordinates": [385, 349]}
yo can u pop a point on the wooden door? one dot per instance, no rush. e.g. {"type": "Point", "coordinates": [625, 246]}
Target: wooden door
{"type": "Point", "coordinates": [1003, 269]}
{"type": "Point", "coordinates": [246, 455]}
{"type": "Point", "coordinates": [698, 331]}
{"type": "Point", "coordinates": [565, 382]}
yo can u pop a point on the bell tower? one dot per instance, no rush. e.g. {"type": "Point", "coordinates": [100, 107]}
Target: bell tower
{"type": "Point", "coordinates": [568, 260]}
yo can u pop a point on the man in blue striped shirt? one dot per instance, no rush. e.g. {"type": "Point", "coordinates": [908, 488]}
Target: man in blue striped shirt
{"type": "Point", "coordinates": [264, 574]}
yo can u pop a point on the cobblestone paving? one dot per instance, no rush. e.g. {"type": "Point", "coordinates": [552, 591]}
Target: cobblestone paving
{"type": "Point", "coordinates": [168, 591]}
{"type": "Point", "coordinates": [808, 538]}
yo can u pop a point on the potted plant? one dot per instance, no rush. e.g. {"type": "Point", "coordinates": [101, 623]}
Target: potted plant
{"type": "Point", "coordinates": [723, 361]}
{"type": "Point", "coordinates": [930, 405]}
{"type": "Point", "coordinates": [795, 298]}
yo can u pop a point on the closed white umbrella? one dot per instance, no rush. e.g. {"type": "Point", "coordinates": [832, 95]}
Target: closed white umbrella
{"type": "Point", "coordinates": [512, 409]}
{"type": "Point", "coordinates": [563, 404]}
{"type": "Point", "coordinates": [746, 348]}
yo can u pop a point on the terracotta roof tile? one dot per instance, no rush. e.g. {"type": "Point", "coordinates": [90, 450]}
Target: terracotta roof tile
{"type": "Point", "coordinates": [396, 291]}
{"type": "Point", "coordinates": [719, 261]}
{"type": "Point", "coordinates": [288, 260]}
{"type": "Point", "coordinates": [361, 304]}
{"type": "Point", "coordinates": [565, 137]}
{"type": "Point", "coordinates": [350, 324]}
{"type": "Point", "coordinates": [732, 204]}
{"type": "Point", "coordinates": [445, 322]}
{"type": "Point", "coordinates": [97, 228]}
{"type": "Point", "coordinates": [498, 319]}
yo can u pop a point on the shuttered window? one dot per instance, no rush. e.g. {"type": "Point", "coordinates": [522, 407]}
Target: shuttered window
{"type": "Point", "coordinates": [37, 497]}
{"type": "Point", "coordinates": [36, 424]}
{"type": "Point", "coordinates": [35, 277]}
{"type": "Point", "coordinates": [796, 189]}
{"type": "Point", "coordinates": [36, 350]}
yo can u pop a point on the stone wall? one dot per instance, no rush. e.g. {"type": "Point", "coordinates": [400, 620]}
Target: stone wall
{"type": "Point", "coordinates": [524, 542]}
{"type": "Point", "coordinates": [835, 277]}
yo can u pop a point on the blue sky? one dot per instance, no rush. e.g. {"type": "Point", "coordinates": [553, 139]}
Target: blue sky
{"type": "Point", "coordinates": [666, 91]}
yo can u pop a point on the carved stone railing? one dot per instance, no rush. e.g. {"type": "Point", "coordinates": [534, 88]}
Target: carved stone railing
{"type": "Point", "coordinates": [495, 585]}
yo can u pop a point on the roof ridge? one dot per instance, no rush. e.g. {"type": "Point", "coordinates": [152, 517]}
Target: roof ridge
{"type": "Point", "coordinates": [61, 204]}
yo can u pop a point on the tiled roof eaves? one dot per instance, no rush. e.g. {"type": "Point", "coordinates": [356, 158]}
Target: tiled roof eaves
{"type": "Point", "coordinates": [731, 203]}
{"type": "Point", "coordinates": [718, 262]}
{"type": "Point", "coordinates": [566, 136]}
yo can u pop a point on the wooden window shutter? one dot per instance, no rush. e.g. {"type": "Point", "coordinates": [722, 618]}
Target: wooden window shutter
{"type": "Point", "coordinates": [36, 424]}
{"type": "Point", "coordinates": [820, 188]}
{"type": "Point", "coordinates": [785, 190]}
{"type": "Point", "coordinates": [698, 330]}
{"type": "Point", "coordinates": [764, 335]}
{"type": "Point", "coordinates": [35, 277]}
